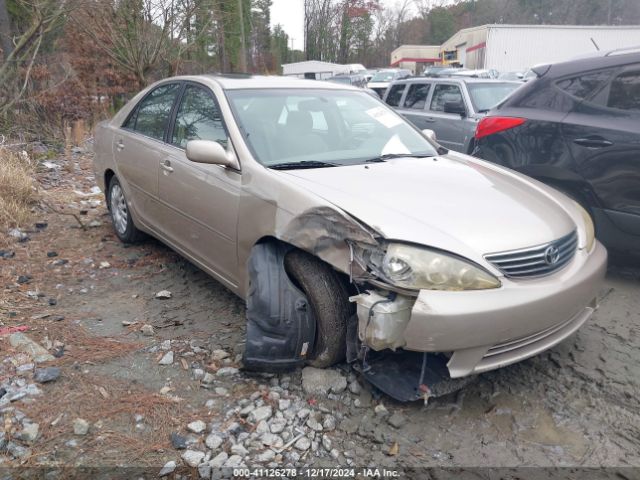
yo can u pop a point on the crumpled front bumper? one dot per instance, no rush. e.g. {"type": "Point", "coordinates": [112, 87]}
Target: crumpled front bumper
{"type": "Point", "coordinates": [488, 329]}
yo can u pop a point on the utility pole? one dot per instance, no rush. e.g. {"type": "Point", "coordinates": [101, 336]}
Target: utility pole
{"type": "Point", "coordinates": [243, 43]}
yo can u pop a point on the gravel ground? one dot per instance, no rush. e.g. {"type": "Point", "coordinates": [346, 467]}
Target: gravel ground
{"type": "Point", "coordinates": [147, 382]}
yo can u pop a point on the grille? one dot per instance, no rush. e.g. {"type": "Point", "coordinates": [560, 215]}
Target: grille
{"type": "Point", "coordinates": [536, 261]}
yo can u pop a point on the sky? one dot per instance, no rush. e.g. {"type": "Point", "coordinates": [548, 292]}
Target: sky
{"type": "Point", "coordinates": [290, 14]}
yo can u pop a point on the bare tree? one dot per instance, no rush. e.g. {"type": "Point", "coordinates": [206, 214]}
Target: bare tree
{"type": "Point", "coordinates": [6, 43]}
{"type": "Point", "coordinates": [17, 66]}
{"type": "Point", "coordinates": [138, 34]}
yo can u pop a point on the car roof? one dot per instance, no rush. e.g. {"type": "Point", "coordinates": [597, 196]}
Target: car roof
{"type": "Point", "coordinates": [453, 79]}
{"type": "Point", "coordinates": [591, 62]}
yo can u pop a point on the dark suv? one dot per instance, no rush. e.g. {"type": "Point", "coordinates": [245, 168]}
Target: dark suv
{"type": "Point", "coordinates": [576, 127]}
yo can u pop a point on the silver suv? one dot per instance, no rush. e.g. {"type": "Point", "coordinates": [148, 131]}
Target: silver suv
{"type": "Point", "coordinates": [451, 107]}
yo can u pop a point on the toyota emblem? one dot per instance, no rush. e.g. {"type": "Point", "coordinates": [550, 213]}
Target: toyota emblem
{"type": "Point", "coordinates": [551, 255]}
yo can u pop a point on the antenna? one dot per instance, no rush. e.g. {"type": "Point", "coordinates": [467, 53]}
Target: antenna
{"type": "Point", "coordinates": [595, 44]}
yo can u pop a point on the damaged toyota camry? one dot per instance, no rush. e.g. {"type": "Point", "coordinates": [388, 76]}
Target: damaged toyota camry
{"type": "Point", "coordinates": [350, 234]}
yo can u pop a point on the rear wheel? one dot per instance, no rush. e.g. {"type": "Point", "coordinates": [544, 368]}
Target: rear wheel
{"type": "Point", "coordinates": [328, 296]}
{"type": "Point", "coordinates": [121, 218]}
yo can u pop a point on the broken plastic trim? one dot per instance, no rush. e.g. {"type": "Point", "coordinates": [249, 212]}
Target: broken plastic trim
{"type": "Point", "coordinates": [280, 322]}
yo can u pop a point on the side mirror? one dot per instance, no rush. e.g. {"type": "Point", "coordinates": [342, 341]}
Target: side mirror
{"type": "Point", "coordinates": [430, 134]}
{"type": "Point", "coordinates": [455, 107]}
{"type": "Point", "coordinates": [210, 152]}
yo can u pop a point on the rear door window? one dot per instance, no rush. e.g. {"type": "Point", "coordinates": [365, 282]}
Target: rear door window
{"type": "Point", "coordinates": [625, 92]}
{"type": "Point", "coordinates": [153, 112]}
{"type": "Point", "coordinates": [416, 98]}
{"type": "Point", "coordinates": [444, 93]}
{"type": "Point", "coordinates": [395, 94]}
{"type": "Point", "coordinates": [584, 86]}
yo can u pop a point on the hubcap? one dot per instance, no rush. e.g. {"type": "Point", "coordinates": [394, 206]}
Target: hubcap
{"type": "Point", "coordinates": [119, 212]}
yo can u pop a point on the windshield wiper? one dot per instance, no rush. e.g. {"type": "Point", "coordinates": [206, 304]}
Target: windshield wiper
{"type": "Point", "coordinates": [302, 164]}
{"type": "Point", "coordinates": [389, 156]}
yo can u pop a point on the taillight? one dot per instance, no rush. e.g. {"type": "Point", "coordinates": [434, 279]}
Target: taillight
{"type": "Point", "coordinates": [491, 125]}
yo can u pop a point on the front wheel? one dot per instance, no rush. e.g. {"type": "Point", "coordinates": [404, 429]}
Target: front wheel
{"type": "Point", "coordinates": [328, 296]}
{"type": "Point", "coordinates": [121, 218]}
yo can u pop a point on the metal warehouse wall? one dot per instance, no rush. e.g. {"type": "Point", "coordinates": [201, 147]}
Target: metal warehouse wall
{"type": "Point", "coordinates": [521, 47]}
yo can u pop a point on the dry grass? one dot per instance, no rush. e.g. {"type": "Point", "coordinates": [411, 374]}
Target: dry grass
{"type": "Point", "coordinates": [17, 188]}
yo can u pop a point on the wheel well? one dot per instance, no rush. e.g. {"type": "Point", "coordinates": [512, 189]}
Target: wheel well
{"type": "Point", "coordinates": [343, 276]}
{"type": "Point", "coordinates": [108, 175]}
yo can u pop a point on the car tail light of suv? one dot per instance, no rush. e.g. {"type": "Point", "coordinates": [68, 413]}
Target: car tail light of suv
{"type": "Point", "coordinates": [490, 125]}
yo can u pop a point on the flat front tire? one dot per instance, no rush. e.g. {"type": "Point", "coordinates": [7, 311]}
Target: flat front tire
{"type": "Point", "coordinates": [121, 218]}
{"type": "Point", "coordinates": [328, 296]}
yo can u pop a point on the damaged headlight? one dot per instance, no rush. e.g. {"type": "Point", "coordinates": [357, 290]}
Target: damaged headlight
{"type": "Point", "coordinates": [589, 229]}
{"type": "Point", "coordinates": [418, 268]}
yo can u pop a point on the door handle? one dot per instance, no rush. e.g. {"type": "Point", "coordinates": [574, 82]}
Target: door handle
{"type": "Point", "coordinates": [429, 120]}
{"type": "Point", "coordinates": [166, 166]}
{"type": "Point", "coordinates": [593, 142]}
{"type": "Point", "coordinates": [120, 145]}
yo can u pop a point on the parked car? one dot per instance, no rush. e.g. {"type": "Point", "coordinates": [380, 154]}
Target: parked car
{"type": "Point", "coordinates": [493, 74]}
{"type": "Point", "coordinates": [451, 107]}
{"type": "Point", "coordinates": [369, 73]}
{"type": "Point", "coordinates": [440, 71]}
{"type": "Point", "coordinates": [577, 127]}
{"type": "Point", "coordinates": [381, 80]}
{"type": "Point", "coordinates": [313, 201]}
{"type": "Point", "coordinates": [512, 76]}
{"type": "Point", "coordinates": [355, 79]}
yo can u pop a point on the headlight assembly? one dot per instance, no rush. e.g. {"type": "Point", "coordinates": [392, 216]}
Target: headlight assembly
{"type": "Point", "coordinates": [420, 268]}
{"type": "Point", "coordinates": [589, 229]}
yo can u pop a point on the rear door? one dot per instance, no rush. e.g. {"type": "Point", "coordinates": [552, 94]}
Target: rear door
{"type": "Point", "coordinates": [200, 202]}
{"type": "Point", "coordinates": [449, 127]}
{"type": "Point", "coordinates": [138, 150]}
{"type": "Point", "coordinates": [603, 133]}
{"type": "Point", "coordinates": [415, 103]}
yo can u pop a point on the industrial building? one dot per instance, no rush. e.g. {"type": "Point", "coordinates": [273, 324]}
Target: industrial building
{"type": "Point", "coordinates": [517, 47]}
{"type": "Point", "coordinates": [415, 57]}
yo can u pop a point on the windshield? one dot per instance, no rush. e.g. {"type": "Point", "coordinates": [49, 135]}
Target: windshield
{"type": "Point", "coordinates": [485, 96]}
{"type": "Point", "coordinates": [340, 127]}
{"type": "Point", "coordinates": [383, 77]}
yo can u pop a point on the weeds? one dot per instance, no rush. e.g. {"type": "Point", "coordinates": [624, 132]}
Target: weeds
{"type": "Point", "coordinates": [18, 192]}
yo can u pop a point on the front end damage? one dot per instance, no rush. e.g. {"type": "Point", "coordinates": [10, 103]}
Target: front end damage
{"type": "Point", "coordinates": [281, 325]}
{"type": "Point", "coordinates": [417, 332]}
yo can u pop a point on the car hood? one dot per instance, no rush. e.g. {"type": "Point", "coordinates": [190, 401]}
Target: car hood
{"type": "Point", "coordinates": [457, 204]}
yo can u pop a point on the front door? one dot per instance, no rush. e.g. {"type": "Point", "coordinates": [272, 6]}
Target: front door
{"type": "Point", "coordinates": [449, 127]}
{"type": "Point", "coordinates": [200, 201]}
{"type": "Point", "coordinates": [138, 150]}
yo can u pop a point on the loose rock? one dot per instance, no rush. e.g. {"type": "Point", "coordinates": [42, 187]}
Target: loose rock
{"type": "Point", "coordinates": [163, 295]}
{"type": "Point", "coordinates": [197, 427]}
{"type": "Point", "coordinates": [80, 426]}
{"type": "Point", "coordinates": [397, 420]}
{"type": "Point", "coordinates": [147, 330]}
{"type": "Point", "coordinates": [193, 458]}
{"type": "Point", "coordinates": [168, 469]}
{"type": "Point", "coordinates": [316, 381]}
{"type": "Point", "coordinates": [24, 344]}
{"type": "Point", "coordinates": [213, 441]}
{"type": "Point", "coordinates": [48, 374]}
{"type": "Point", "coordinates": [303, 444]}
{"type": "Point", "coordinates": [167, 358]}
{"type": "Point", "coordinates": [260, 413]}
{"type": "Point", "coordinates": [178, 441]}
